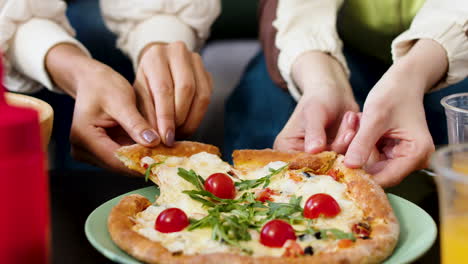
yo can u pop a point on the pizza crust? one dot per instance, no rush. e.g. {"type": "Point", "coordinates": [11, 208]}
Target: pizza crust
{"type": "Point", "coordinates": [251, 159]}
{"type": "Point", "coordinates": [131, 155]}
{"type": "Point", "coordinates": [120, 226]}
{"type": "Point", "coordinates": [371, 198]}
{"type": "Point", "coordinates": [367, 195]}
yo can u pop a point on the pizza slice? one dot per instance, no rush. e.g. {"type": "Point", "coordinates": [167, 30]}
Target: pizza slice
{"type": "Point", "coordinates": [270, 207]}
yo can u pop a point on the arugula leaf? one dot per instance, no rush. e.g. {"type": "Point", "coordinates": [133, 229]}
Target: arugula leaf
{"type": "Point", "coordinates": [201, 200]}
{"type": "Point", "coordinates": [207, 221]}
{"type": "Point", "coordinates": [148, 170]}
{"type": "Point", "coordinates": [291, 210]}
{"type": "Point", "coordinates": [273, 172]}
{"type": "Point", "coordinates": [336, 234]}
{"type": "Point", "coordinates": [229, 229]}
{"type": "Point", "coordinates": [192, 177]}
{"type": "Point", "coordinates": [203, 193]}
{"type": "Point", "coordinates": [249, 184]}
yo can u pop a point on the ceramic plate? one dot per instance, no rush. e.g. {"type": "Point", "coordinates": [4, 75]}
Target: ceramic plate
{"type": "Point", "coordinates": [418, 230]}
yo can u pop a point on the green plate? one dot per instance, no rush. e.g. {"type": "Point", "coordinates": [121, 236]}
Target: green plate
{"type": "Point", "coordinates": [418, 230]}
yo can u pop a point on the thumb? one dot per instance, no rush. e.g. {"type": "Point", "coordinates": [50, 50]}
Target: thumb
{"type": "Point", "coordinates": [136, 126]}
{"type": "Point", "coordinates": [366, 138]}
{"type": "Point", "coordinates": [315, 139]}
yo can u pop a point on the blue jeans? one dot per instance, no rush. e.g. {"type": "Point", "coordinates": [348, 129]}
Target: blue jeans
{"type": "Point", "coordinates": [258, 109]}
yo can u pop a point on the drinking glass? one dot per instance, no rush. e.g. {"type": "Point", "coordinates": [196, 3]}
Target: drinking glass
{"type": "Point", "coordinates": [451, 166]}
{"type": "Point", "coordinates": [456, 111]}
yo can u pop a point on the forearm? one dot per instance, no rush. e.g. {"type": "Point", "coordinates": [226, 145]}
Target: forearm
{"type": "Point", "coordinates": [316, 72]}
{"type": "Point", "coordinates": [65, 64]}
{"type": "Point", "coordinates": [426, 63]}
{"type": "Point", "coordinates": [419, 70]}
{"type": "Point", "coordinates": [304, 26]}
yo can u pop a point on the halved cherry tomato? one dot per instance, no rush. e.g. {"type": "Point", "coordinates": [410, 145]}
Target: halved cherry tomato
{"type": "Point", "coordinates": [171, 220]}
{"type": "Point", "coordinates": [321, 204]}
{"type": "Point", "coordinates": [221, 185]}
{"type": "Point", "coordinates": [265, 195]}
{"type": "Point", "coordinates": [276, 232]}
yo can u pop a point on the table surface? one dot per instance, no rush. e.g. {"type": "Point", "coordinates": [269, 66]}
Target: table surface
{"type": "Point", "coordinates": [75, 194]}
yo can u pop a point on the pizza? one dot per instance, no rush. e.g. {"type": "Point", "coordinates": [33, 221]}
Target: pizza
{"type": "Point", "coordinates": [269, 207]}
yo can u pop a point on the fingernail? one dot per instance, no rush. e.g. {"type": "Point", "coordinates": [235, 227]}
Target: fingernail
{"type": "Point", "coordinates": [149, 136]}
{"type": "Point", "coordinates": [347, 138]}
{"type": "Point", "coordinates": [351, 118]}
{"type": "Point", "coordinates": [354, 159]}
{"type": "Point", "coordinates": [170, 138]}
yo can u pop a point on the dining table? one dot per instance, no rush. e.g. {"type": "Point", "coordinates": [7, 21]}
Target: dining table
{"type": "Point", "coordinates": [74, 194]}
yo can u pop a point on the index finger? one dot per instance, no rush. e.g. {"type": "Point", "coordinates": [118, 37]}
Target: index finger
{"type": "Point", "coordinates": [160, 82]}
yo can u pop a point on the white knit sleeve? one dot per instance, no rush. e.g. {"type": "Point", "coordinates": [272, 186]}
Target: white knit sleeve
{"type": "Point", "coordinates": [305, 25]}
{"type": "Point", "coordinates": [28, 30]}
{"type": "Point", "coordinates": [447, 23]}
{"type": "Point", "coordinates": [141, 22]}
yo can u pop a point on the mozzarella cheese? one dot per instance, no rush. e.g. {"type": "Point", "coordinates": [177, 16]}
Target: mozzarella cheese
{"type": "Point", "coordinates": [172, 185]}
{"type": "Point", "coordinates": [286, 184]}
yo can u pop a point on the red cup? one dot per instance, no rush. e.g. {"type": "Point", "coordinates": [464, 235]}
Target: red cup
{"type": "Point", "coordinates": [24, 194]}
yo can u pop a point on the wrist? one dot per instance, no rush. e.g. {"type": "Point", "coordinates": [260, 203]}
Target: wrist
{"type": "Point", "coordinates": [423, 66]}
{"type": "Point", "coordinates": [314, 71]}
{"type": "Point", "coordinates": [313, 67]}
{"type": "Point", "coordinates": [65, 64]}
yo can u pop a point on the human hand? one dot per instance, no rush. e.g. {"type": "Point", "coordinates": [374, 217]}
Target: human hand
{"type": "Point", "coordinates": [105, 115]}
{"type": "Point", "coordinates": [178, 85]}
{"type": "Point", "coordinates": [326, 99]}
{"type": "Point", "coordinates": [393, 138]}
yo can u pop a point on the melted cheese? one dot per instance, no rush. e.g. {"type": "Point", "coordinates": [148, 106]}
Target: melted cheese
{"type": "Point", "coordinates": [350, 213]}
{"type": "Point", "coordinates": [188, 242]}
{"type": "Point", "coordinates": [199, 241]}
{"type": "Point", "coordinates": [172, 185]}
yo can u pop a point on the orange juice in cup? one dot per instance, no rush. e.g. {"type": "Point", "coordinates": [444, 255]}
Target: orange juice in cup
{"type": "Point", "coordinates": [454, 235]}
{"type": "Point", "coordinates": [451, 166]}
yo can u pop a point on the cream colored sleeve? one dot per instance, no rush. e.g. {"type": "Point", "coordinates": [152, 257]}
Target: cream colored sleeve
{"type": "Point", "coordinates": [28, 30]}
{"type": "Point", "coordinates": [445, 21]}
{"type": "Point", "coordinates": [305, 25]}
{"type": "Point", "coordinates": [141, 22]}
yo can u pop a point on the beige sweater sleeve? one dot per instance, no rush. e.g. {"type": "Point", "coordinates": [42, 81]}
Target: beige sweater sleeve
{"type": "Point", "coordinates": [28, 30]}
{"type": "Point", "coordinates": [141, 22]}
{"type": "Point", "coordinates": [445, 21]}
{"type": "Point", "coordinates": [305, 25]}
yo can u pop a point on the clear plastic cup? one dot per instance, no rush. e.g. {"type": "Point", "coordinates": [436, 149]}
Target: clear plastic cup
{"type": "Point", "coordinates": [456, 111]}
{"type": "Point", "coordinates": [451, 167]}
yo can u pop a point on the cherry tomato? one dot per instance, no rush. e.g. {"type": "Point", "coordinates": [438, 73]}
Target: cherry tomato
{"type": "Point", "coordinates": [171, 220]}
{"type": "Point", "coordinates": [275, 233]}
{"type": "Point", "coordinates": [321, 204]}
{"type": "Point", "coordinates": [221, 185]}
